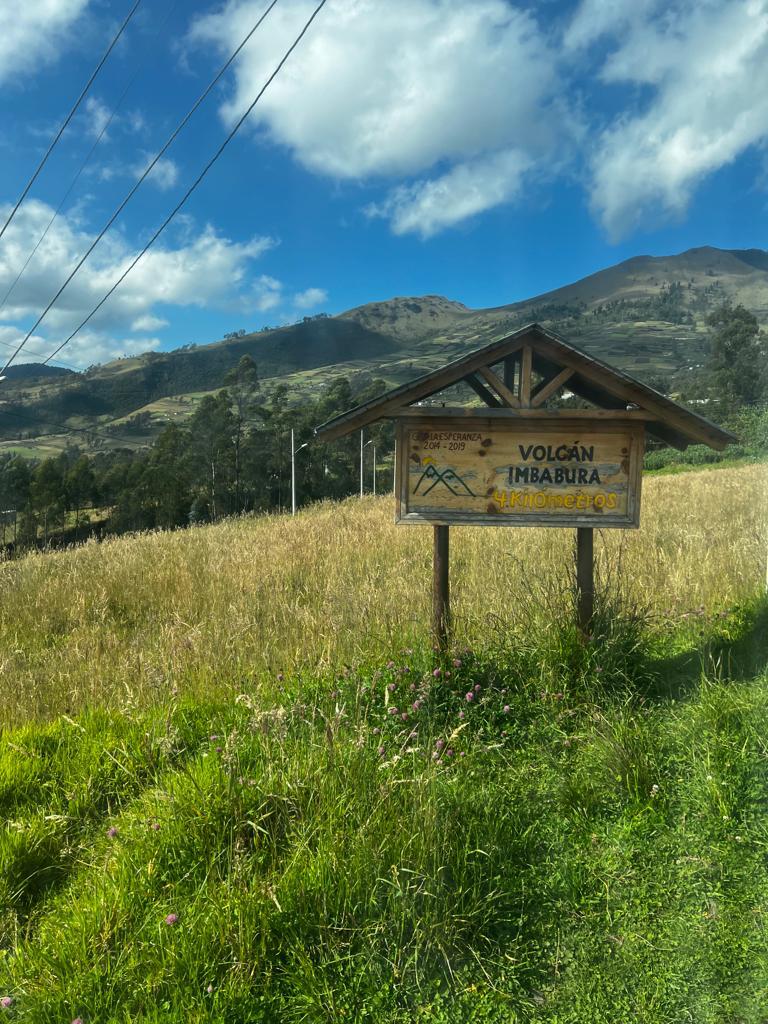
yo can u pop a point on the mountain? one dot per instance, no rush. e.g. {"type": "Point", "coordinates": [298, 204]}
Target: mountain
{"type": "Point", "coordinates": [645, 315]}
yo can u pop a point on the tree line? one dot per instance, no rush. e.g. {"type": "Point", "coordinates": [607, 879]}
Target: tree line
{"type": "Point", "coordinates": [232, 456]}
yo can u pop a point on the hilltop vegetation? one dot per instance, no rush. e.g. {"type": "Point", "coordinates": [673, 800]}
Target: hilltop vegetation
{"type": "Point", "coordinates": [213, 811]}
{"type": "Point", "coordinates": [646, 315]}
{"type": "Point", "coordinates": [234, 453]}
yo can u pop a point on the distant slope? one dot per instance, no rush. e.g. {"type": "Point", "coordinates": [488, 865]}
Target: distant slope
{"type": "Point", "coordinates": [646, 315]}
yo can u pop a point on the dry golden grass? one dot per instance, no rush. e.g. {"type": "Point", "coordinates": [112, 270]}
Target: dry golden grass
{"type": "Point", "coordinates": [124, 621]}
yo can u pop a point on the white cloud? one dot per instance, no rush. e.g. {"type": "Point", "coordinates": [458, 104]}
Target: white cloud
{"type": "Point", "coordinates": [707, 66]}
{"type": "Point", "coordinates": [441, 89]}
{"type": "Point", "coordinates": [34, 32]}
{"type": "Point", "coordinates": [148, 323]}
{"type": "Point", "coordinates": [467, 189]}
{"type": "Point", "coordinates": [97, 115]}
{"type": "Point", "coordinates": [206, 270]}
{"type": "Point", "coordinates": [310, 298]}
{"type": "Point", "coordinates": [164, 174]}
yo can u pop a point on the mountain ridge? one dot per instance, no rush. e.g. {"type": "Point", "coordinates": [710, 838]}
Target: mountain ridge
{"type": "Point", "coordinates": [645, 314]}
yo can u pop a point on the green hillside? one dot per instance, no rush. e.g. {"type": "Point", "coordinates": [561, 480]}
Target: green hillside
{"type": "Point", "coordinates": [645, 315]}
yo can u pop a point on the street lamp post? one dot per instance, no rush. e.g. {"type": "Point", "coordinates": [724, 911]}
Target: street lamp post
{"type": "Point", "coordinates": [294, 452]}
{"type": "Point", "coordinates": [363, 446]}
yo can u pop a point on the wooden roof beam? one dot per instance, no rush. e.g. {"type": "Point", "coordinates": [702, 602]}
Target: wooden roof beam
{"type": "Point", "coordinates": [498, 385]}
{"type": "Point", "coordinates": [482, 391]}
{"type": "Point", "coordinates": [545, 390]}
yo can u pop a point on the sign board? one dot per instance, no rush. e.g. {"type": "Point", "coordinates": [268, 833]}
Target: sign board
{"type": "Point", "coordinates": [519, 472]}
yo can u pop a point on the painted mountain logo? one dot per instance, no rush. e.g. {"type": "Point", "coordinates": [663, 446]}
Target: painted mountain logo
{"type": "Point", "coordinates": [449, 478]}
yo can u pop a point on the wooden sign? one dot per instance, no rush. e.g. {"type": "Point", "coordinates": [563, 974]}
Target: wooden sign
{"type": "Point", "coordinates": [518, 472]}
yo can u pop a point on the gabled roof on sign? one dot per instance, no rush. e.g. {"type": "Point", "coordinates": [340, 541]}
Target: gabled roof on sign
{"type": "Point", "coordinates": [591, 379]}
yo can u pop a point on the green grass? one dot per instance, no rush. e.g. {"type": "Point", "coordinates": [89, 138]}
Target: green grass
{"type": "Point", "coordinates": [593, 849]}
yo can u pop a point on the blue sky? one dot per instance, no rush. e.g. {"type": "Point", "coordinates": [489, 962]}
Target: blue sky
{"type": "Point", "coordinates": [485, 151]}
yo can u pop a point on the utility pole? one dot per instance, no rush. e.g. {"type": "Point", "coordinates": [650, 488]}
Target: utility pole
{"type": "Point", "coordinates": [294, 453]}
{"type": "Point", "coordinates": [293, 476]}
{"type": "Point", "coordinates": [363, 446]}
{"type": "Point", "coordinates": [374, 471]}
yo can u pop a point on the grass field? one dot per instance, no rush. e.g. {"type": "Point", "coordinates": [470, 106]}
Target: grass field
{"type": "Point", "coordinates": [238, 784]}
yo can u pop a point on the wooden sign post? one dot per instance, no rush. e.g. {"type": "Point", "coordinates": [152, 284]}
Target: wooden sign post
{"type": "Point", "coordinates": [518, 472]}
{"type": "Point", "coordinates": [516, 463]}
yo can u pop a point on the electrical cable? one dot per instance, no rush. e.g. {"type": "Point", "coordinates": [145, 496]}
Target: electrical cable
{"type": "Point", "coordinates": [67, 366]}
{"type": "Point", "coordinates": [135, 187]}
{"type": "Point", "coordinates": [194, 184]}
{"type": "Point", "coordinates": [69, 117]}
{"type": "Point", "coordinates": [62, 426]}
{"type": "Point", "coordinates": [85, 163]}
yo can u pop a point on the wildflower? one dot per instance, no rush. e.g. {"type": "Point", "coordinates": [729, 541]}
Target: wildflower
{"type": "Point", "coordinates": [77, 1020]}
{"type": "Point", "coordinates": [376, 731]}
{"type": "Point", "coordinates": [437, 672]}
{"type": "Point", "coordinates": [213, 737]}
{"type": "Point", "coordinates": [477, 687]}
{"type": "Point", "coordinates": [440, 744]}
{"type": "Point", "coordinates": [6, 1002]}
{"type": "Point", "coordinates": [334, 694]}
{"type": "Point", "coordinates": [112, 832]}
{"type": "Point", "coordinates": [435, 755]}
{"type": "Point", "coordinates": [280, 677]}
{"type": "Point", "coordinates": [461, 714]}
{"type": "Point", "coordinates": [404, 716]}
{"type": "Point", "coordinates": [416, 705]}
{"type": "Point", "coordinates": [469, 697]}
{"type": "Point", "coordinates": [392, 711]}
{"type": "Point", "coordinates": [390, 664]}
{"type": "Point", "coordinates": [654, 790]}
{"type": "Point", "coordinates": [463, 753]}
{"type": "Point", "coordinates": [382, 751]}
{"type": "Point", "coordinates": [155, 826]}
{"type": "Point", "coordinates": [449, 752]}
{"type": "Point", "coordinates": [392, 687]}
{"type": "Point", "coordinates": [457, 662]}
{"type": "Point", "coordinates": [209, 989]}
{"type": "Point", "coordinates": [507, 709]}
{"type": "Point", "coordinates": [408, 650]}
{"type": "Point", "coordinates": [412, 687]}
{"type": "Point", "coordinates": [171, 919]}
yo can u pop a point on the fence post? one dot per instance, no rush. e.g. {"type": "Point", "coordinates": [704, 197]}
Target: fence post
{"type": "Point", "coordinates": [585, 578]}
{"type": "Point", "coordinates": [441, 614]}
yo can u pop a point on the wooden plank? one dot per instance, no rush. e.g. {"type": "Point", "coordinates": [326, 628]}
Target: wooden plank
{"type": "Point", "coordinates": [514, 471]}
{"type": "Point", "coordinates": [567, 416]}
{"type": "Point", "coordinates": [620, 386]}
{"type": "Point", "coordinates": [482, 391]}
{"type": "Point", "coordinates": [441, 614]}
{"type": "Point", "coordinates": [422, 387]}
{"type": "Point", "coordinates": [499, 387]}
{"type": "Point", "coordinates": [509, 372]}
{"type": "Point", "coordinates": [606, 385]}
{"type": "Point", "coordinates": [525, 377]}
{"type": "Point", "coordinates": [550, 387]}
{"type": "Point", "coordinates": [585, 579]}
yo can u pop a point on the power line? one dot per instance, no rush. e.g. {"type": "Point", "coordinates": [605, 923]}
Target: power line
{"type": "Point", "coordinates": [83, 165]}
{"type": "Point", "coordinates": [134, 188]}
{"type": "Point", "coordinates": [61, 426]}
{"type": "Point", "coordinates": [194, 184]}
{"type": "Point", "coordinates": [69, 117]}
{"type": "Point", "coordinates": [67, 366]}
